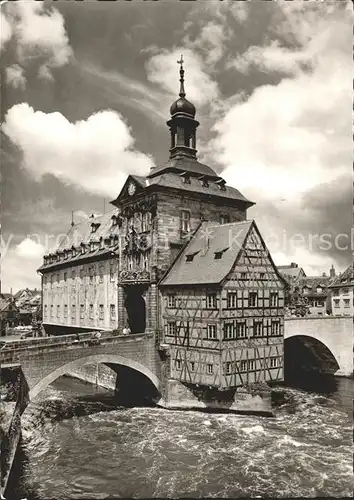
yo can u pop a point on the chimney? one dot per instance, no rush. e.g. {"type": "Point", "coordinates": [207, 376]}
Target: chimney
{"type": "Point", "coordinates": [323, 275]}
{"type": "Point", "coordinates": [293, 264]}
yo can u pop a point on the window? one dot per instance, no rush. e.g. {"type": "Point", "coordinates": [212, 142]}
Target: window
{"type": "Point", "coordinates": [346, 303]}
{"type": "Point", "coordinates": [273, 362]}
{"type": "Point", "coordinates": [211, 332]}
{"type": "Point", "coordinates": [145, 221]}
{"type": "Point", "coordinates": [65, 310]}
{"type": "Point", "coordinates": [45, 310]}
{"type": "Point", "coordinates": [252, 299]}
{"type": "Point", "coordinates": [190, 256]}
{"type": "Point", "coordinates": [224, 218]}
{"type": "Point", "coordinates": [82, 311]}
{"type": "Point", "coordinates": [146, 261]}
{"type": "Point", "coordinates": [73, 311]}
{"type": "Point", "coordinates": [345, 291]}
{"type": "Point", "coordinates": [228, 330]}
{"type": "Point", "coordinates": [101, 273]}
{"type": "Point", "coordinates": [273, 299]}
{"type": "Point", "coordinates": [231, 300]}
{"type": "Point", "coordinates": [178, 364]}
{"type": "Point", "coordinates": [171, 328]}
{"type": "Point", "coordinates": [274, 329]}
{"type": "Point", "coordinates": [185, 220]}
{"type": "Point", "coordinates": [112, 311]}
{"type": "Point", "coordinates": [51, 279]}
{"type": "Point", "coordinates": [305, 290]}
{"type": "Point", "coordinates": [81, 273]}
{"type": "Point", "coordinates": [111, 271]}
{"type": "Point", "coordinates": [261, 276]}
{"type": "Point", "coordinates": [241, 330]}
{"type": "Point", "coordinates": [250, 364]}
{"type": "Point", "coordinates": [58, 311]}
{"type": "Point", "coordinates": [130, 262]}
{"type": "Point", "coordinates": [58, 277]}
{"type": "Point", "coordinates": [243, 365]}
{"type": "Point", "coordinates": [335, 293]}
{"type": "Point", "coordinates": [65, 276]}
{"type": "Point", "coordinates": [51, 311]}
{"type": "Point", "coordinates": [319, 289]}
{"type": "Point", "coordinates": [336, 302]}
{"type": "Point", "coordinates": [211, 301]}
{"type": "Point", "coordinates": [91, 273]}
{"type": "Point", "coordinates": [91, 311]}
{"type": "Point", "coordinates": [171, 300]}
{"type": "Point", "coordinates": [243, 276]}
{"type": "Point", "coordinates": [73, 274]}
{"type": "Point", "coordinates": [210, 369]}
{"type": "Point", "coordinates": [320, 303]}
{"type": "Point", "coordinates": [228, 367]}
{"type": "Point", "coordinates": [257, 329]}
{"type": "Point", "coordinates": [101, 312]}
{"type": "Point", "coordinates": [218, 255]}
{"type": "Point", "coordinates": [192, 366]}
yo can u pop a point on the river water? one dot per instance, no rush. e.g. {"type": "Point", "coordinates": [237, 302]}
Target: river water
{"type": "Point", "coordinates": [78, 445]}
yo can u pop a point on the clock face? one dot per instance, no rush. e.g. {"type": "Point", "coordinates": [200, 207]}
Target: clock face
{"type": "Point", "coordinates": [131, 188]}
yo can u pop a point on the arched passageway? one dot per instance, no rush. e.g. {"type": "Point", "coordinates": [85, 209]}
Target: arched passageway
{"type": "Point", "coordinates": [136, 309]}
{"type": "Point", "coordinates": [132, 377]}
{"type": "Point", "coordinates": [307, 361]}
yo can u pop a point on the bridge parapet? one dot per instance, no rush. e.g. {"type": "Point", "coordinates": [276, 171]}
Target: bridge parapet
{"type": "Point", "coordinates": [15, 352]}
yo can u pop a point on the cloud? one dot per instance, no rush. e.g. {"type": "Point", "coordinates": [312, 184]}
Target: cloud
{"type": "Point", "coordinates": [15, 76]}
{"type": "Point", "coordinates": [19, 265]}
{"type": "Point", "coordinates": [39, 34]}
{"type": "Point", "coordinates": [284, 138]}
{"type": "Point", "coordinates": [76, 152]}
{"type": "Point", "coordinates": [5, 30]}
{"type": "Point", "coordinates": [209, 42]}
{"type": "Point", "coordinates": [29, 249]}
{"type": "Point", "coordinates": [162, 69]}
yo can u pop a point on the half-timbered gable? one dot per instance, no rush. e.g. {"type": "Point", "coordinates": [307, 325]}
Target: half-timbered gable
{"type": "Point", "coordinates": [222, 309]}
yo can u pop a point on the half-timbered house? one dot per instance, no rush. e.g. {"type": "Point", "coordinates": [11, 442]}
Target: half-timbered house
{"type": "Point", "coordinates": [223, 309]}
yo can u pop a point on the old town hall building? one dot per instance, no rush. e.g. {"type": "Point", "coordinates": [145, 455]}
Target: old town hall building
{"type": "Point", "coordinates": [176, 258]}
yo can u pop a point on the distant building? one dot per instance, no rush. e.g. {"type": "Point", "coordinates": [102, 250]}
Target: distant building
{"type": "Point", "coordinates": [9, 313]}
{"type": "Point", "coordinates": [315, 290]}
{"type": "Point", "coordinates": [292, 272]}
{"type": "Point", "coordinates": [28, 302]}
{"type": "Point", "coordinates": [342, 293]}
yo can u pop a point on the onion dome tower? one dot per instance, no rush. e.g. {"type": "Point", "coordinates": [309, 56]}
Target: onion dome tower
{"type": "Point", "coordinates": [182, 124]}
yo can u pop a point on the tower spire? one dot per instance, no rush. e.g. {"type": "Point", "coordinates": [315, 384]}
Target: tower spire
{"type": "Point", "coordinates": [182, 92]}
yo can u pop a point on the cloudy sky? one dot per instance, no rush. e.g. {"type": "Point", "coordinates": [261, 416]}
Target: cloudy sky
{"type": "Point", "coordinates": [86, 93]}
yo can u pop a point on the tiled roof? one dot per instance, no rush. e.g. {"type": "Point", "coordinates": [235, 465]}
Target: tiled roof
{"type": "Point", "coordinates": [314, 282]}
{"type": "Point", "coordinates": [293, 272]}
{"type": "Point", "coordinates": [82, 233]}
{"type": "Point", "coordinates": [184, 164]}
{"type": "Point", "coordinates": [346, 278]}
{"type": "Point", "coordinates": [174, 180]}
{"type": "Point", "coordinates": [204, 268]}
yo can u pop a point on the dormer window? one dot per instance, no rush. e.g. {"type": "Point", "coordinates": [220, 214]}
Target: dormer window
{"type": "Point", "coordinates": [114, 220]}
{"type": "Point", "coordinates": [218, 254]}
{"type": "Point", "coordinates": [73, 250]}
{"type": "Point", "coordinates": [221, 183]}
{"type": "Point", "coordinates": [204, 180]}
{"type": "Point", "coordinates": [101, 243]}
{"type": "Point", "coordinates": [190, 256]}
{"type": "Point", "coordinates": [185, 177]}
{"type": "Point", "coordinates": [224, 218]}
{"type": "Point", "coordinates": [94, 226]}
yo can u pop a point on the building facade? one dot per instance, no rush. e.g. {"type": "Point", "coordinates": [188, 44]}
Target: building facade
{"type": "Point", "coordinates": [342, 295]}
{"type": "Point", "coordinates": [115, 270]}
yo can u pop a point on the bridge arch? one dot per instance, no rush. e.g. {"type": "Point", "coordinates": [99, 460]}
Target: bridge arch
{"type": "Point", "coordinates": [112, 359]}
{"type": "Point", "coordinates": [320, 353]}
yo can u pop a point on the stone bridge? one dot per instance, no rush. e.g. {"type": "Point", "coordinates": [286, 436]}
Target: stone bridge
{"type": "Point", "coordinates": [329, 333]}
{"type": "Point", "coordinates": [43, 360]}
